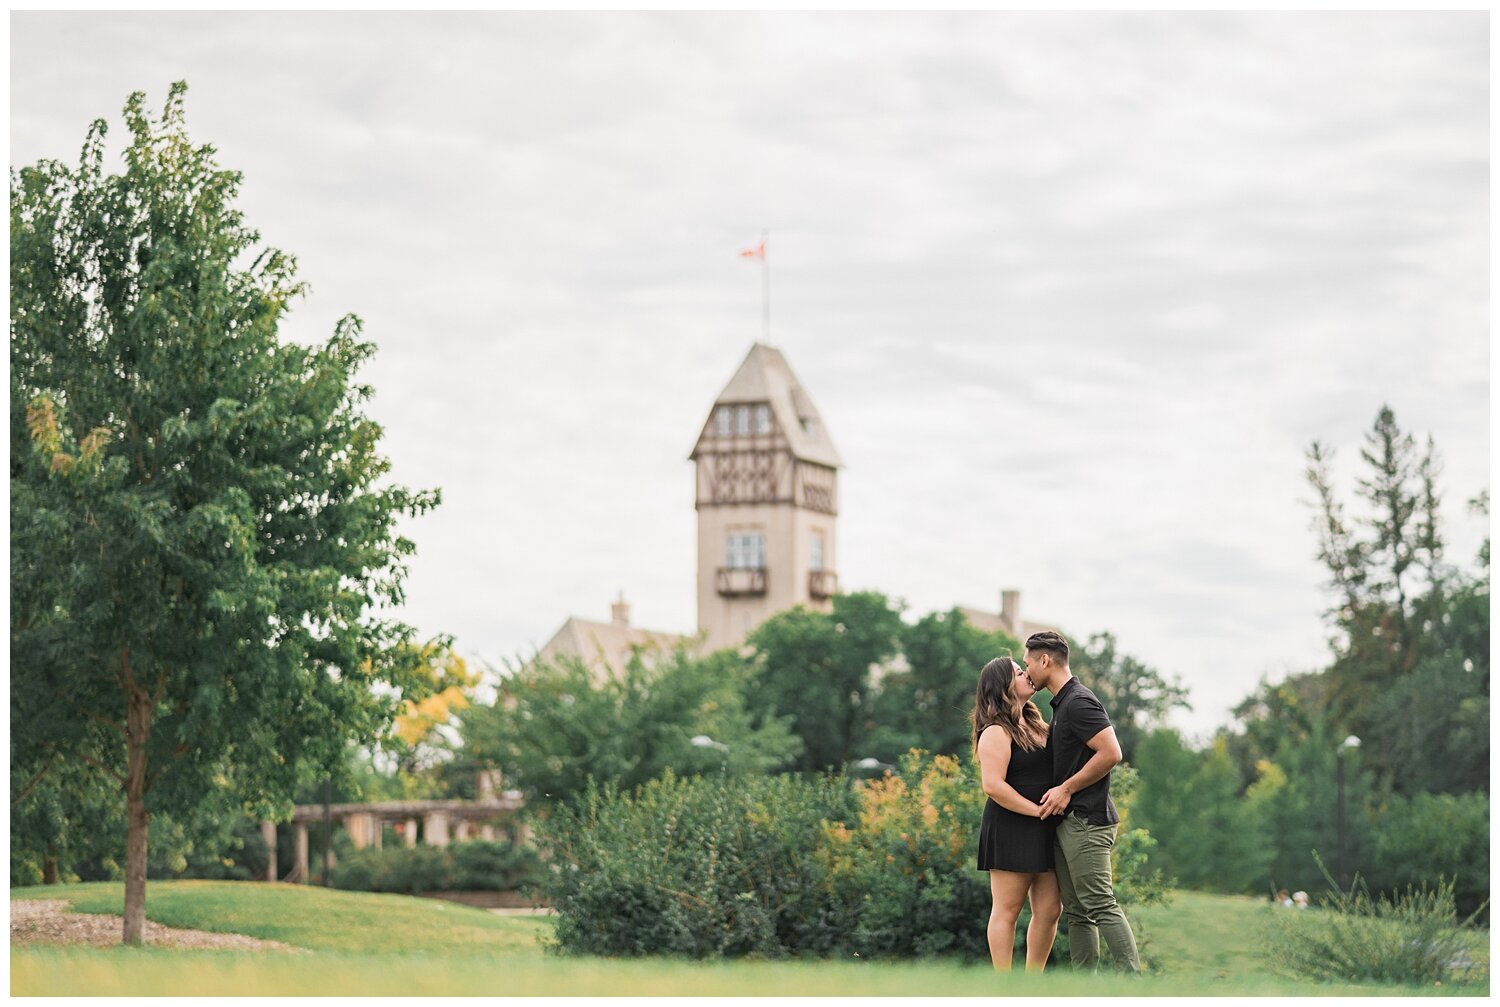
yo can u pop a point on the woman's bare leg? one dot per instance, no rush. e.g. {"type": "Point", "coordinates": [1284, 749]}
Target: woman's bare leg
{"type": "Point", "coordinates": [1046, 909]}
{"type": "Point", "coordinates": [1007, 894]}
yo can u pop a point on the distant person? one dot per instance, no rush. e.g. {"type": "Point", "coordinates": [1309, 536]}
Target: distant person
{"type": "Point", "coordinates": [1084, 750]}
{"type": "Point", "coordinates": [1284, 898]}
{"type": "Point", "coordinates": [1299, 899]}
{"type": "Point", "coordinates": [1015, 845]}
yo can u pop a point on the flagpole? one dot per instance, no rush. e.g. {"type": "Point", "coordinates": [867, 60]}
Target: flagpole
{"type": "Point", "coordinates": [765, 287]}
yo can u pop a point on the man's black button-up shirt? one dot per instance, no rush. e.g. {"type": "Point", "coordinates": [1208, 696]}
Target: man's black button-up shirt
{"type": "Point", "coordinates": [1077, 715]}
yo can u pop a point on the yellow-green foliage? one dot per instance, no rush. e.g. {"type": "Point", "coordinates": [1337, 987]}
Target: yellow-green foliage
{"type": "Point", "coordinates": [909, 864]}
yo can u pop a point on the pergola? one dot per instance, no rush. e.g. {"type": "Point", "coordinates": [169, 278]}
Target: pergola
{"type": "Point", "coordinates": [440, 822]}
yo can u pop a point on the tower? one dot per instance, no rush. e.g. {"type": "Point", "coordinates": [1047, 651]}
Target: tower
{"type": "Point", "coordinates": [767, 501]}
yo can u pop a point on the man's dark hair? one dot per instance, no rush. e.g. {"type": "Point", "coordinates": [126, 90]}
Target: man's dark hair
{"type": "Point", "coordinates": [1052, 643]}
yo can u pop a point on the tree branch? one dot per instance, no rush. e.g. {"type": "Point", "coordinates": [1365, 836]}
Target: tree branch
{"type": "Point", "coordinates": [116, 725]}
{"type": "Point", "coordinates": [26, 790]}
{"type": "Point", "coordinates": [101, 766]}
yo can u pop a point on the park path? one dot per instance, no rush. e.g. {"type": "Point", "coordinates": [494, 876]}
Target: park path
{"type": "Point", "coordinates": [47, 921]}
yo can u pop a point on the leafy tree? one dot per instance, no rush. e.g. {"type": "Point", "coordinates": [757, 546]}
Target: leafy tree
{"type": "Point", "coordinates": [1303, 817]}
{"type": "Point", "coordinates": [1430, 836]}
{"type": "Point", "coordinates": [203, 495]}
{"type": "Point", "coordinates": [1136, 696]}
{"type": "Point", "coordinates": [814, 668]}
{"type": "Point", "coordinates": [556, 725]}
{"type": "Point", "coordinates": [420, 732]}
{"type": "Point", "coordinates": [66, 813]}
{"type": "Point", "coordinates": [1164, 800]}
{"type": "Point", "coordinates": [926, 705]}
{"type": "Point", "coordinates": [1209, 834]}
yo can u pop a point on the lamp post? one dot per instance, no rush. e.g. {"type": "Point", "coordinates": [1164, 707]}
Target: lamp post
{"type": "Point", "coordinates": [1349, 743]}
{"type": "Point", "coordinates": [704, 741]}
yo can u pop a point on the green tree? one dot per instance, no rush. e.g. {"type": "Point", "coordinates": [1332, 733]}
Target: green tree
{"type": "Point", "coordinates": [814, 668]}
{"type": "Point", "coordinates": [1136, 696]}
{"type": "Point", "coordinates": [1164, 802]}
{"type": "Point", "coordinates": [926, 705]}
{"type": "Point", "coordinates": [1304, 815]}
{"type": "Point", "coordinates": [1430, 836]}
{"type": "Point", "coordinates": [1376, 562]}
{"type": "Point", "coordinates": [1411, 634]}
{"type": "Point", "coordinates": [1211, 832]}
{"type": "Point", "coordinates": [556, 725]}
{"type": "Point", "coordinates": [206, 496]}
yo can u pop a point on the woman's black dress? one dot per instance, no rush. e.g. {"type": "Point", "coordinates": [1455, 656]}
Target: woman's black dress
{"type": "Point", "coordinates": [1012, 842]}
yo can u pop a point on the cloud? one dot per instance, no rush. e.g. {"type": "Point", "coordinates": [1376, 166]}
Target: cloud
{"type": "Point", "coordinates": [1072, 292]}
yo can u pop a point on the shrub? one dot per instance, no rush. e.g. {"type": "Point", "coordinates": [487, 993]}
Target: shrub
{"type": "Point", "coordinates": [1410, 937]}
{"type": "Point", "coordinates": [783, 866]}
{"type": "Point", "coordinates": [1136, 883]}
{"type": "Point", "coordinates": [1429, 835]}
{"type": "Point", "coordinates": [709, 866]}
{"type": "Point", "coordinates": [475, 865]}
{"type": "Point", "coordinates": [481, 866]}
{"type": "Point", "coordinates": [908, 867]}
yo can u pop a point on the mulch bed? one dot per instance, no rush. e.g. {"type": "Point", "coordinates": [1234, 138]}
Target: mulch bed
{"type": "Point", "coordinates": [47, 921]}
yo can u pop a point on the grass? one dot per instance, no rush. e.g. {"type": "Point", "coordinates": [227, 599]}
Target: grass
{"type": "Point", "coordinates": [367, 944]}
{"type": "Point", "coordinates": [305, 916]}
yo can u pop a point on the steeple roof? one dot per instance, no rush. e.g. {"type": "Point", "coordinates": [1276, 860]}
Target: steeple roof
{"type": "Point", "coordinates": [765, 376]}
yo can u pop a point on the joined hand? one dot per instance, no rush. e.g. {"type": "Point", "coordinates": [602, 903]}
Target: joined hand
{"type": "Point", "coordinates": [1055, 801]}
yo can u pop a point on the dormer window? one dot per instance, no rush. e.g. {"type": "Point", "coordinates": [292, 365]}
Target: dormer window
{"type": "Point", "coordinates": [742, 420]}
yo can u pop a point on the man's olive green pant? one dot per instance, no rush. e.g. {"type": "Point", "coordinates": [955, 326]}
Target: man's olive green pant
{"type": "Point", "coordinates": [1088, 894]}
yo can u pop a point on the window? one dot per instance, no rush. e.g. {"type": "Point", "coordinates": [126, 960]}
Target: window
{"type": "Point", "coordinates": [742, 420]}
{"type": "Point", "coordinates": [762, 419]}
{"type": "Point", "coordinates": [723, 417]}
{"type": "Point", "coordinates": [816, 560]}
{"type": "Point", "coordinates": [747, 551]}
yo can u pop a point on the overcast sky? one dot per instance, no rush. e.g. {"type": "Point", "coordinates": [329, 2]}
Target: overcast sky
{"type": "Point", "coordinates": [1072, 293]}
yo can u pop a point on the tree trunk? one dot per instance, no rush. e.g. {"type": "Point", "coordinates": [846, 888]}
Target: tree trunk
{"type": "Point", "coordinates": [49, 866]}
{"type": "Point", "coordinates": [137, 731]}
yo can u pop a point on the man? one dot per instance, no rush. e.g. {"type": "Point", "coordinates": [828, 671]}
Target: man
{"type": "Point", "coordinates": [1084, 750]}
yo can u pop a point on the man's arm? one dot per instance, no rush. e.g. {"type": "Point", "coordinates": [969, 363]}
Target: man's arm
{"type": "Point", "coordinates": [1107, 755]}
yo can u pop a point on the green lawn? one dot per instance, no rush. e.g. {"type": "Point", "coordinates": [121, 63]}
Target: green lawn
{"type": "Point", "coordinates": [393, 945]}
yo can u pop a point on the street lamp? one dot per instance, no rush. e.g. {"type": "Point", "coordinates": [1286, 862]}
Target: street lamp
{"type": "Point", "coordinates": [1350, 742]}
{"type": "Point", "coordinates": [872, 764]}
{"type": "Point", "coordinates": [704, 741]}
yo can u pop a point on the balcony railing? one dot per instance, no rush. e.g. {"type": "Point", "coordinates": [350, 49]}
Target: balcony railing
{"type": "Point", "coordinates": [741, 582]}
{"type": "Point", "coordinates": [822, 584]}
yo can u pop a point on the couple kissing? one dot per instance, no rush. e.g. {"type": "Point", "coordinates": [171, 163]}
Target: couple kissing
{"type": "Point", "coordinates": [1048, 831]}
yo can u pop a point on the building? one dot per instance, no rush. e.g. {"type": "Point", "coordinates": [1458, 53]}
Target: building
{"type": "Point", "coordinates": [766, 496]}
{"type": "Point", "coordinates": [766, 493]}
{"type": "Point", "coordinates": [1009, 620]}
{"type": "Point", "coordinates": [605, 647]}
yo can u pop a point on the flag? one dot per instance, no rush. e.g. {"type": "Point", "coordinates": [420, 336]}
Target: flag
{"type": "Point", "coordinates": [758, 252]}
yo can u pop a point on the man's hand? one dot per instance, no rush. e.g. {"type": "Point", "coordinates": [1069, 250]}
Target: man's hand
{"type": "Point", "coordinates": [1056, 800]}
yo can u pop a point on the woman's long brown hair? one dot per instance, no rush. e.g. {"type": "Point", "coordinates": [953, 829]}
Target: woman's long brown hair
{"type": "Point", "coordinates": [996, 702]}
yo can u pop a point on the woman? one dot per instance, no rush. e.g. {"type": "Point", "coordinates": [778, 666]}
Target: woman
{"type": "Point", "coordinates": [1015, 844]}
